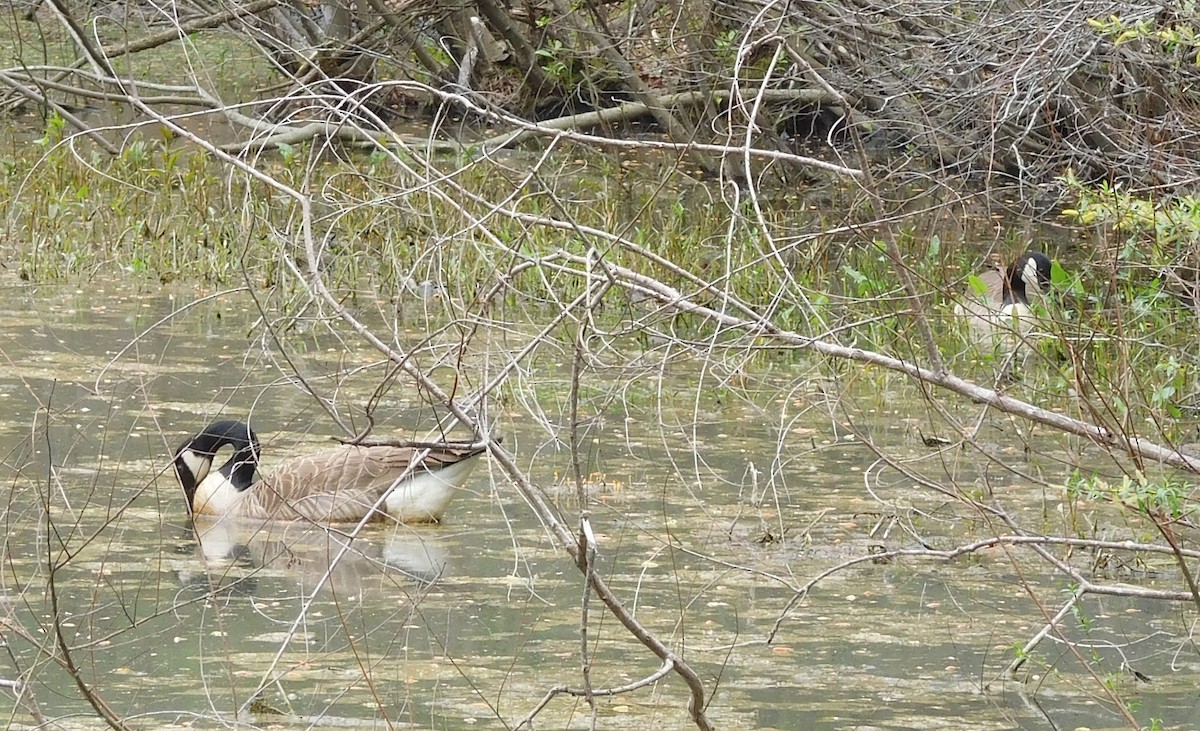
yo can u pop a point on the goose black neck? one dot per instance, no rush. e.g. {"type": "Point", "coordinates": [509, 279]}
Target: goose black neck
{"type": "Point", "coordinates": [239, 469]}
{"type": "Point", "coordinates": [1014, 290]}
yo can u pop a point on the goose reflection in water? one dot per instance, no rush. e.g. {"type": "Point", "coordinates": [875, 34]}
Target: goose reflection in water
{"type": "Point", "coordinates": [241, 555]}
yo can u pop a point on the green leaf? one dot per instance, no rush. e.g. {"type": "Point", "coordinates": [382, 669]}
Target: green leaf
{"type": "Point", "coordinates": [858, 277]}
{"type": "Point", "coordinates": [1058, 275]}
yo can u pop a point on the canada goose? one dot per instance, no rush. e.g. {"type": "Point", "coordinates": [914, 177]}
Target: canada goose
{"type": "Point", "coordinates": [1001, 311]}
{"type": "Point", "coordinates": [334, 485]}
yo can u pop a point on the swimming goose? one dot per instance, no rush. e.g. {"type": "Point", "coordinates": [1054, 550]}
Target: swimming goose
{"type": "Point", "coordinates": [334, 485]}
{"type": "Point", "coordinates": [1002, 309]}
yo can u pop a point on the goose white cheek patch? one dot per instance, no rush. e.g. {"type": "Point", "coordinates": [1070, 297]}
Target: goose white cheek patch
{"type": "Point", "coordinates": [1030, 275]}
{"type": "Point", "coordinates": [197, 464]}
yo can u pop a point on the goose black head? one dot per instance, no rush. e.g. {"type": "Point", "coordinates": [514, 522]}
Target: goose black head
{"type": "Point", "coordinates": [194, 458]}
{"type": "Point", "coordinates": [1029, 273]}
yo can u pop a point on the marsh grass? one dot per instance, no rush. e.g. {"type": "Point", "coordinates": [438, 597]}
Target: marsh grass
{"type": "Point", "coordinates": [223, 61]}
{"type": "Point", "coordinates": [163, 212]}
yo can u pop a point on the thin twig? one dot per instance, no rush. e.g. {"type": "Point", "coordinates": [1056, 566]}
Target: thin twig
{"type": "Point", "coordinates": [654, 677]}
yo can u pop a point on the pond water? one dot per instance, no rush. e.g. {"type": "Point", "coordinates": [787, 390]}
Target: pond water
{"type": "Point", "coordinates": [710, 506]}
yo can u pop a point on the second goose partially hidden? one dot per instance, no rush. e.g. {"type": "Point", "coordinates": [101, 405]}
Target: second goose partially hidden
{"type": "Point", "coordinates": [1001, 310]}
{"type": "Point", "coordinates": [334, 485]}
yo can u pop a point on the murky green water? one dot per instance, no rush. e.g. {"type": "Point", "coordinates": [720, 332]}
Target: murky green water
{"type": "Point", "coordinates": [710, 508]}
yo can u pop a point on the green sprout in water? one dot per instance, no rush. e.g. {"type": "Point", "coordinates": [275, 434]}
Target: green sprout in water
{"type": "Point", "coordinates": [1150, 497]}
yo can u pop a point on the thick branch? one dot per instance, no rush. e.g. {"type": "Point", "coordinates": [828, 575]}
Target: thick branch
{"type": "Point", "coordinates": [536, 79]}
{"type": "Point", "coordinates": [641, 91]}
